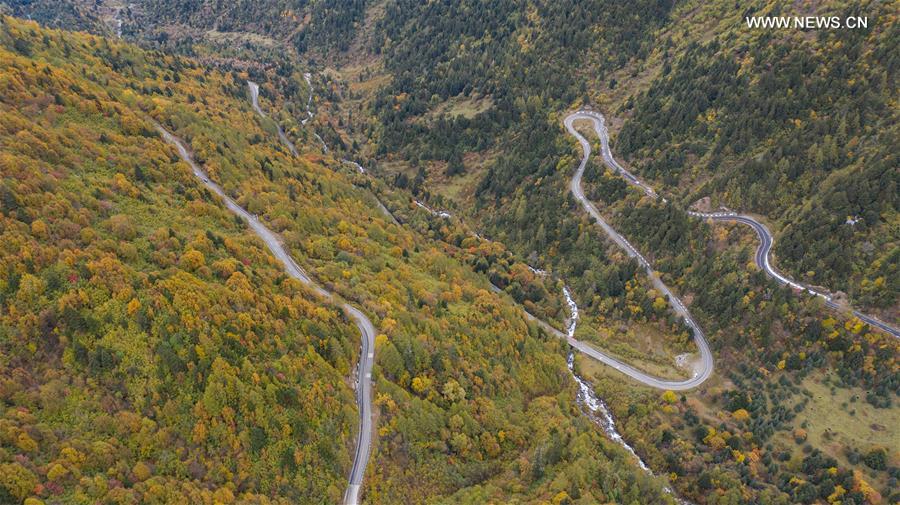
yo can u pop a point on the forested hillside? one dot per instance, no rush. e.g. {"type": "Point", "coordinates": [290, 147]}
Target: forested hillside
{"type": "Point", "coordinates": [459, 105]}
{"type": "Point", "coordinates": [795, 127]}
{"type": "Point", "coordinates": [151, 348]}
{"type": "Point", "coordinates": [522, 55]}
{"type": "Point", "coordinates": [323, 26]}
{"type": "Point", "coordinates": [799, 129]}
{"type": "Point", "coordinates": [511, 64]}
{"type": "Point", "coordinates": [154, 351]}
{"type": "Point", "coordinates": [73, 15]}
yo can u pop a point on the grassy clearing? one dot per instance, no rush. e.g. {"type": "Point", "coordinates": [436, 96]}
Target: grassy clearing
{"type": "Point", "coordinates": [465, 106]}
{"type": "Point", "coordinates": [838, 417]}
{"type": "Point", "coordinates": [647, 366]}
{"type": "Point", "coordinates": [457, 188]}
{"type": "Point", "coordinates": [253, 39]}
{"type": "Point", "coordinates": [461, 188]}
{"type": "Point", "coordinates": [641, 345]}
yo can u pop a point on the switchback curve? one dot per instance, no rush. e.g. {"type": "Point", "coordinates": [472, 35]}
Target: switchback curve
{"type": "Point", "coordinates": [763, 252]}
{"type": "Point", "coordinates": [706, 359]}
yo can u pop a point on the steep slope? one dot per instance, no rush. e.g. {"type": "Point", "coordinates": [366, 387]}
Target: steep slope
{"type": "Point", "coordinates": [513, 155]}
{"type": "Point", "coordinates": [466, 104]}
{"type": "Point", "coordinates": [796, 126]}
{"type": "Point", "coordinates": [445, 131]}
{"type": "Point", "coordinates": [150, 344]}
{"type": "Point", "coordinates": [74, 15]}
{"type": "Point", "coordinates": [321, 26]}
{"type": "Point", "coordinates": [154, 351]}
{"type": "Point", "coordinates": [363, 323]}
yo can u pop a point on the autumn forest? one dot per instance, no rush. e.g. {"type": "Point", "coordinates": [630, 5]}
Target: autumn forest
{"type": "Point", "coordinates": [412, 161]}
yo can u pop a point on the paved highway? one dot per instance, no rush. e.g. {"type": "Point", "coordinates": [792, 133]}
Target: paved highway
{"type": "Point", "coordinates": [364, 380]}
{"type": "Point", "coordinates": [762, 259]}
{"type": "Point", "coordinates": [665, 384]}
{"type": "Point", "coordinates": [705, 366]}
{"type": "Point", "coordinates": [367, 356]}
{"type": "Point", "coordinates": [763, 252]}
{"type": "Point", "coordinates": [366, 328]}
{"type": "Point", "coordinates": [765, 246]}
{"type": "Point", "coordinates": [254, 97]}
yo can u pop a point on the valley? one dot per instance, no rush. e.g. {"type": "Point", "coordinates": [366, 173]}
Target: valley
{"type": "Point", "coordinates": [361, 252]}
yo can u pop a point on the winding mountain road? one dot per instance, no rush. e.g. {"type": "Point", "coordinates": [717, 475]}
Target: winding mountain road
{"type": "Point", "coordinates": [766, 240]}
{"type": "Point", "coordinates": [366, 328]}
{"type": "Point", "coordinates": [699, 377]}
{"type": "Point", "coordinates": [705, 366]}
{"type": "Point", "coordinates": [763, 253]}
{"type": "Point", "coordinates": [367, 356]}
{"type": "Point", "coordinates": [254, 97]}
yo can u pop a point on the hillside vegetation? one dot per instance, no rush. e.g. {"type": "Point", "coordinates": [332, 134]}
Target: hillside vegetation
{"type": "Point", "coordinates": [707, 106]}
{"type": "Point", "coordinates": [797, 127]}
{"type": "Point", "coordinates": [153, 351]}
{"type": "Point", "coordinates": [459, 105]}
